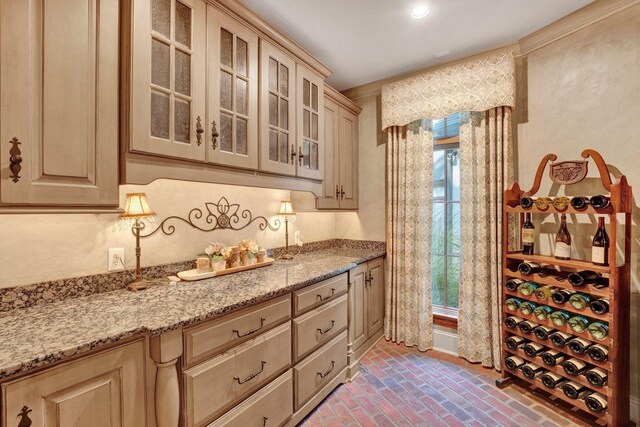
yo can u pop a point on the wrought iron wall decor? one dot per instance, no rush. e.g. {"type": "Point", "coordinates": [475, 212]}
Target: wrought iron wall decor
{"type": "Point", "coordinates": [218, 216]}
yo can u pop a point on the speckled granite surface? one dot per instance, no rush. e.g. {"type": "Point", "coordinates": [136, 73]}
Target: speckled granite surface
{"type": "Point", "coordinates": [40, 335]}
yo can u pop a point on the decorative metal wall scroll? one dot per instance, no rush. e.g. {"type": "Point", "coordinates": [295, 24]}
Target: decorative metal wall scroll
{"type": "Point", "coordinates": [569, 172]}
{"type": "Point", "coordinates": [217, 216]}
{"type": "Point", "coordinates": [15, 159]}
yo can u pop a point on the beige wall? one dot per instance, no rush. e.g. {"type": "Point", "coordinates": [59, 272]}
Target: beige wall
{"type": "Point", "coordinates": [51, 247]}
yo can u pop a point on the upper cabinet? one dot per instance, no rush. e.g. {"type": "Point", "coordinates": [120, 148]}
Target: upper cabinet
{"type": "Point", "coordinates": [59, 103]}
{"type": "Point", "coordinates": [310, 114]}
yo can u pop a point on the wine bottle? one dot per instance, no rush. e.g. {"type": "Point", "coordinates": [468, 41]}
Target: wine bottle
{"type": "Point", "coordinates": [559, 317]}
{"type": "Point", "coordinates": [598, 330]}
{"type": "Point", "coordinates": [542, 312]}
{"type": "Point", "coordinates": [514, 342]}
{"type": "Point", "coordinates": [561, 296]}
{"type": "Point", "coordinates": [542, 332]}
{"type": "Point", "coordinates": [559, 338]}
{"type": "Point", "coordinates": [527, 326]}
{"type": "Point", "coordinates": [528, 235]}
{"type": "Point", "coordinates": [579, 345]}
{"type": "Point", "coordinates": [552, 357]}
{"type": "Point", "coordinates": [597, 377]}
{"type": "Point", "coordinates": [582, 278]}
{"type": "Point", "coordinates": [574, 366]}
{"type": "Point", "coordinates": [574, 390]}
{"type": "Point", "coordinates": [543, 293]}
{"type": "Point", "coordinates": [578, 323]}
{"type": "Point", "coordinates": [596, 402]}
{"type": "Point", "coordinates": [599, 201]}
{"type": "Point", "coordinates": [527, 308]}
{"type": "Point", "coordinates": [513, 363]}
{"type": "Point", "coordinates": [528, 267]}
{"type": "Point", "coordinates": [512, 322]}
{"type": "Point", "coordinates": [526, 202]}
{"type": "Point", "coordinates": [563, 240]}
{"type": "Point", "coordinates": [600, 245]}
{"type": "Point", "coordinates": [532, 371]}
{"type": "Point", "coordinates": [579, 202]}
{"type": "Point", "coordinates": [512, 284]}
{"type": "Point", "coordinates": [527, 288]}
{"type": "Point", "coordinates": [600, 306]}
{"type": "Point", "coordinates": [542, 203]}
{"type": "Point", "coordinates": [512, 304]}
{"type": "Point", "coordinates": [598, 352]}
{"type": "Point", "coordinates": [561, 203]}
{"type": "Point", "coordinates": [579, 301]}
{"type": "Point", "coordinates": [552, 380]}
{"type": "Point", "coordinates": [532, 349]}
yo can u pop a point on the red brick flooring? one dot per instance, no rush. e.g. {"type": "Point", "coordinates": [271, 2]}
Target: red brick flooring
{"type": "Point", "coordinates": [399, 386]}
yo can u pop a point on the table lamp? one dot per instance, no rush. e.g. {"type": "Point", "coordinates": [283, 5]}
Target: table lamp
{"type": "Point", "coordinates": [137, 208]}
{"type": "Point", "coordinates": [286, 210]}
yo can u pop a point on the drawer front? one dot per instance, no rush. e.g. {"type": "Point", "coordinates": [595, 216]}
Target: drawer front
{"type": "Point", "coordinates": [315, 328]}
{"type": "Point", "coordinates": [212, 387]}
{"type": "Point", "coordinates": [320, 368]}
{"type": "Point", "coordinates": [274, 403]}
{"type": "Point", "coordinates": [315, 295]}
{"type": "Point", "coordinates": [204, 341]}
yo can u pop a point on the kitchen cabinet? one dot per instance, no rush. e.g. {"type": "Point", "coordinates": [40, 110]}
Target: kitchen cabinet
{"type": "Point", "coordinates": [101, 390]}
{"type": "Point", "coordinates": [59, 103]}
{"type": "Point", "coordinates": [340, 187]}
{"type": "Point", "coordinates": [310, 128]}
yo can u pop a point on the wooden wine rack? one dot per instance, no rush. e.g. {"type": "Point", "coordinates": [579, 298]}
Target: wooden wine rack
{"type": "Point", "coordinates": [618, 293]}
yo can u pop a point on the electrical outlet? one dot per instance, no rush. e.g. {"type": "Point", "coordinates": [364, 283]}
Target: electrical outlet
{"type": "Point", "coordinates": [115, 261]}
{"type": "Point", "coordinates": [296, 237]}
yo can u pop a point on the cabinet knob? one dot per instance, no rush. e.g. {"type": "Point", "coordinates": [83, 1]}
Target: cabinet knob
{"type": "Point", "coordinates": [293, 154]}
{"type": "Point", "coordinates": [199, 130]}
{"type": "Point", "coordinates": [15, 158]}
{"type": "Point", "coordinates": [24, 417]}
{"type": "Point", "coordinates": [214, 135]}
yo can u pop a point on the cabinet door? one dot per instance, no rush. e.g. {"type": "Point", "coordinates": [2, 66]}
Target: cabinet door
{"type": "Point", "coordinates": [330, 198]}
{"type": "Point", "coordinates": [233, 91]}
{"type": "Point", "coordinates": [348, 161]}
{"type": "Point", "coordinates": [375, 297]}
{"type": "Point", "coordinates": [358, 307]}
{"type": "Point", "coordinates": [104, 390]}
{"type": "Point", "coordinates": [168, 90]}
{"type": "Point", "coordinates": [59, 102]}
{"type": "Point", "coordinates": [310, 107]}
{"type": "Point", "coordinates": [278, 112]}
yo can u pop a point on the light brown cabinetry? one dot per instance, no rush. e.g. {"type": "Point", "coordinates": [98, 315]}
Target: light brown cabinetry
{"type": "Point", "coordinates": [340, 187]}
{"type": "Point", "coordinates": [101, 390]}
{"type": "Point", "coordinates": [59, 102]}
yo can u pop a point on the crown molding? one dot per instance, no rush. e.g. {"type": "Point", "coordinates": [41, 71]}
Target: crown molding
{"type": "Point", "coordinates": [342, 100]}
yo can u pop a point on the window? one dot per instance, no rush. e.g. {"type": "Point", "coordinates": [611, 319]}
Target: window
{"type": "Point", "coordinates": [445, 258]}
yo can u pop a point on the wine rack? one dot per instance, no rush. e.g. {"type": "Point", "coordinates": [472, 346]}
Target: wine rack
{"type": "Point", "coordinates": [616, 275]}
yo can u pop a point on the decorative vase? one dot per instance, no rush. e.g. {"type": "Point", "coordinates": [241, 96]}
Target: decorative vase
{"type": "Point", "coordinates": [203, 265]}
{"type": "Point", "coordinates": [234, 260]}
{"type": "Point", "coordinates": [247, 259]}
{"type": "Point", "coordinates": [262, 255]}
{"type": "Point", "coordinates": [219, 265]}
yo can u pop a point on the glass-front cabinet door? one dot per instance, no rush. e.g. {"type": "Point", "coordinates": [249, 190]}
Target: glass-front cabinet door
{"type": "Point", "coordinates": [233, 92]}
{"type": "Point", "coordinates": [168, 106]}
{"type": "Point", "coordinates": [310, 107]}
{"type": "Point", "coordinates": [278, 112]}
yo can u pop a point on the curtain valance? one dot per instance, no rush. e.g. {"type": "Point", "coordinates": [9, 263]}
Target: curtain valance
{"type": "Point", "coordinates": [477, 85]}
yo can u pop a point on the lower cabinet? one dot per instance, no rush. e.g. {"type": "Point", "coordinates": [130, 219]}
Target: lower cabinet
{"type": "Point", "coordinates": [101, 390]}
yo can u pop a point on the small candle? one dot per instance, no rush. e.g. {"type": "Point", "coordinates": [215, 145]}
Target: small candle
{"type": "Point", "coordinates": [203, 265]}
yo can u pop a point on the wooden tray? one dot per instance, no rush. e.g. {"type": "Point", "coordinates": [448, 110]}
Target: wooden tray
{"type": "Point", "coordinates": [192, 275]}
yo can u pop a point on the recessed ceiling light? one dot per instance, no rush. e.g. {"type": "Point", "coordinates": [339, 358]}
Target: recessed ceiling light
{"type": "Point", "coordinates": [419, 12]}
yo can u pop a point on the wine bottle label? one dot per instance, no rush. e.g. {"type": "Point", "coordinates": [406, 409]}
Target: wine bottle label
{"type": "Point", "coordinates": [562, 250]}
{"type": "Point", "coordinates": [598, 255]}
{"type": "Point", "coordinates": [596, 402]}
{"type": "Point", "coordinates": [528, 236]}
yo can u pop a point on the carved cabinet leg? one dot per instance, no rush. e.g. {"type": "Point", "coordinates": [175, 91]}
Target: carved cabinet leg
{"type": "Point", "coordinates": [165, 350]}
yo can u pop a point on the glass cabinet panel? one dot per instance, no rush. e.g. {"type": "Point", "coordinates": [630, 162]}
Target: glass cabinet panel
{"type": "Point", "coordinates": [279, 109]}
{"type": "Point", "coordinates": [309, 115]}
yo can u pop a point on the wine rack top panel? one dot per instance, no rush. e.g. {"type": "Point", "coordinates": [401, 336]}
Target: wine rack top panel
{"type": "Point", "coordinates": [577, 264]}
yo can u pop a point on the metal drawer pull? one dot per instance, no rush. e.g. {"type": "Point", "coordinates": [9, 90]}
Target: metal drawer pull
{"type": "Point", "coordinates": [199, 131]}
{"type": "Point", "coordinates": [237, 332]}
{"type": "Point", "coordinates": [214, 135]}
{"type": "Point", "coordinates": [264, 421]}
{"type": "Point", "coordinates": [293, 154]}
{"type": "Point", "coordinates": [333, 323]}
{"type": "Point", "coordinates": [15, 158]}
{"type": "Point", "coordinates": [321, 298]}
{"type": "Point", "coordinates": [327, 372]}
{"type": "Point", "coordinates": [252, 376]}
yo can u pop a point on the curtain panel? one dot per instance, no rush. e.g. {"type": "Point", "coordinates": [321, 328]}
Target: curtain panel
{"type": "Point", "coordinates": [476, 85]}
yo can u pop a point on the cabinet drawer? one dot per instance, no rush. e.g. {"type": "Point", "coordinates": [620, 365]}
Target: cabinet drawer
{"type": "Point", "coordinates": [320, 368]}
{"type": "Point", "coordinates": [315, 328]}
{"type": "Point", "coordinates": [212, 387]}
{"type": "Point", "coordinates": [274, 403]}
{"type": "Point", "coordinates": [316, 295]}
{"type": "Point", "coordinates": [206, 340]}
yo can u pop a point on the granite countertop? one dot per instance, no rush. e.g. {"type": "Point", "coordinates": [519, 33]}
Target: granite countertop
{"type": "Point", "coordinates": [41, 335]}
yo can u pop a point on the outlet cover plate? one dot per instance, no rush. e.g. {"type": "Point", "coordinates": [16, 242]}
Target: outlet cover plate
{"type": "Point", "coordinates": [114, 262]}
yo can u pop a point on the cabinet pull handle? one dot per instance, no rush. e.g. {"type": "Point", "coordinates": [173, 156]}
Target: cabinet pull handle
{"type": "Point", "coordinates": [342, 193]}
{"type": "Point", "coordinates": [300, 157]}
{"type": "Point", "coordinates": [252, 376]}
{"type": "Point", "coordinates": [337, 193]}
{"type": "Point", "coordinates": [322, 332]}
{"type": "Point", "coordinates": [24, 417]}
{"type": "Point", "coordinates": [328, 371]}
{"type": "Point", "coordinates": [199, 131]}
{"type": "Point", "coordinates": [264, 421]}
{"type": "Point", "coordinates": [244, 334]}
{"type": "Point", "coordinates": [15, 159]}
{"type": "Point", "coordinates": [214, 135]}
{"type": "Point", "coordinates": [293, 154]}
{"type": "Point", "coordinates": [321, 298]}
{"type": "Point", "coordinates": [368, 279]}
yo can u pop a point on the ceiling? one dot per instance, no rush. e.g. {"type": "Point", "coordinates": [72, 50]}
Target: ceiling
{"type": "Point", "coordinates": [367, 40]}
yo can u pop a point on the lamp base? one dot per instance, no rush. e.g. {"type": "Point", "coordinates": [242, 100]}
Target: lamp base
{"type": "Point", "coordinates": [139, 285]}
{"type": "Point", "coordinates": [287, 256]}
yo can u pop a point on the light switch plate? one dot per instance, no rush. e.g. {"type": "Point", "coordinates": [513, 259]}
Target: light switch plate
{"type": "Point", "coordinates": [115, 261]}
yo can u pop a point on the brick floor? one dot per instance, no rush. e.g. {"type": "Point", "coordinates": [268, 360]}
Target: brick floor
{"type": "Point", "coordinates": [400, 386]}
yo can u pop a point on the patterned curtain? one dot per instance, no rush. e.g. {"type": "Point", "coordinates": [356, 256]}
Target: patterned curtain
{"type": "Point", "coordinates": [486, 169]}
{"type": "Point", "coordinates": [408, 317]}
